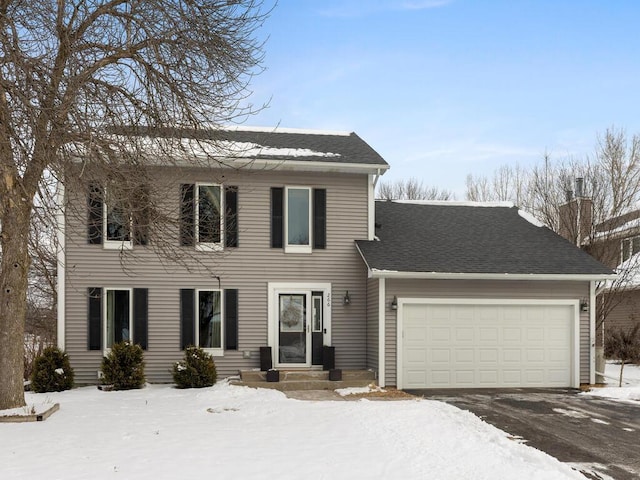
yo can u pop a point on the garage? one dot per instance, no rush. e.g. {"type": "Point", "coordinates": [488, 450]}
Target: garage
{"type": "Point", "coordinates": [444, 343]}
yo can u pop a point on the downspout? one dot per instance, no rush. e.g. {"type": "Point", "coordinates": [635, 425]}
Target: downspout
{"type": "Point", "coordinates": [371, 220]}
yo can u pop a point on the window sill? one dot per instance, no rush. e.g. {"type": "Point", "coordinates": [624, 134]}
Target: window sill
{"type": "Point", "coordinates": [209, 247]}
{"type": "Point", "coordinates": [298, 249]}
{"type": "Point", "coordinates": [215, 352]}
{"type": "Point", "coordinates": [117, 245]}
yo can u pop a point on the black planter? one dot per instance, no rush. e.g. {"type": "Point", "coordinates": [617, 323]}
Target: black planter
{"type": "Point", "coordinates": [266, 363]}
{"type": "Point", "coordinates": [335, 374]}
{"type": "Point", "coordinates": [273, 376]}
{"type": "Point", "coordinates": [328, 357]}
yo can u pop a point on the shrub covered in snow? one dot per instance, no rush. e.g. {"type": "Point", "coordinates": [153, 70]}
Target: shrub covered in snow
{"type": "Point", "coordinates": [123, 367]}
{"type": "Point", "coordinates": [52, 371]}
{"type": "Point", "coordinates": [196, 370]}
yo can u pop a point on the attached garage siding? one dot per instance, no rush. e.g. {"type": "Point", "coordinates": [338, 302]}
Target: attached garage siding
{"type": "Point", "coordinates": [482, 289]}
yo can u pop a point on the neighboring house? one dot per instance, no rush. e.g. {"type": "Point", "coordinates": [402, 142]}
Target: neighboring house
{"type": "Point", "coordinates": [291, 252]}
{"type": "Point", "coordinates": [617, 242]}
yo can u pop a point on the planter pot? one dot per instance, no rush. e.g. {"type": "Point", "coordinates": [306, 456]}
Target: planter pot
{"type": "Point", "coordinates": [335, 374]}
{"type": "Point", "coordinates": [273, 376]}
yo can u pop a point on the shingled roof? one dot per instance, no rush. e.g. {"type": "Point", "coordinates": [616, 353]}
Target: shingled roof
{"type": "Point", "coordinates": [280, 144]}
{"type": "Point", "coordinates": [445, 238]}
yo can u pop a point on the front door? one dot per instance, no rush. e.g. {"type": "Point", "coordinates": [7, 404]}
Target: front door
{"type": "Point", "coordinates": [299, 323]}
{"type": "Point", "coordinates": [294, 329]}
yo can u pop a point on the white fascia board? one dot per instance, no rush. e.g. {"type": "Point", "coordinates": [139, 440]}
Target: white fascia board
{"type": "Point", "coordinates": [306, 166]}
{"type": "Point", "coordinates": [375, 273]}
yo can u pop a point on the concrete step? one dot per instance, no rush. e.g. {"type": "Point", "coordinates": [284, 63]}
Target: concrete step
{"type": "Point", "coordinates": [306, 380]}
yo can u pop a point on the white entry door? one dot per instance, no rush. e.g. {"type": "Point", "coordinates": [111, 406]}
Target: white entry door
{"type": "Point", "coordinates": [475, 345]}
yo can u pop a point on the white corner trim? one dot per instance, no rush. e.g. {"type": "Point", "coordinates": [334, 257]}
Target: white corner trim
{"type": "Point", "coordinates": [61, 273]}
{"type": "Point", "coordinates": [592, 332]}
{"type": "Point", "coordinates": [381, 332]}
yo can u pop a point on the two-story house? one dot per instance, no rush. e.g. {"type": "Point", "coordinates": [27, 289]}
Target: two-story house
{"type": "Point", "coordinates": [281, 244]}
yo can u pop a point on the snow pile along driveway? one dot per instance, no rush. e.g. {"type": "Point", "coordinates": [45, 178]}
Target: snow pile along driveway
{"type": "Point", "coordinates": [630, 390]}
{"type": "Point", "coordinates": [238, 432]}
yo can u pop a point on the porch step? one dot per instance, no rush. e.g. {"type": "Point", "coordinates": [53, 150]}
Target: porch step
{"type": "Point", "coordinates": [306, 380]}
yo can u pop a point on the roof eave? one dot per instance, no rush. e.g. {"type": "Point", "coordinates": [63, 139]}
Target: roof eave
{"type": "Point", "coordinates": [376, 273]}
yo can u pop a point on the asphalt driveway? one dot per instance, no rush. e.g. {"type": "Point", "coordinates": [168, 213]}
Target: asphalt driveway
{"type": "Point", "coordinates": [599, 437]}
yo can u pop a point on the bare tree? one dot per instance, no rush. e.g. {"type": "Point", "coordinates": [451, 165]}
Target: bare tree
{"type": "Point", "coordinates": [589, 212]}
{"type": "Point", "coordinates": [72, 73]}
{"type": "Point", "coordinates": [411, 189]}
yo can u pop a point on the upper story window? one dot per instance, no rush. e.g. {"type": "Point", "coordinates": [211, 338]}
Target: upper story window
{"type": "Point", "coordinates": [298, 219]}
{"type": "Point", "coordinates": [113, 225]}
{"type": "Point", "coordinates": [630, 246]}
{"type": "Point", "coordinates": [208, 228]}
{"type": "Point", "coordinates": [208, 216]}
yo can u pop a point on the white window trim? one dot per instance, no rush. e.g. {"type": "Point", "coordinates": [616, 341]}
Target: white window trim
{"type": "Point", "coordinates": [297, 248]}
{"type": "Point", "coordinates": [114, 244]}
{"type": "Point", "coordinates": [104, 315]}
{"type": "Point", "coordinates": [215, 352]}
{"type": "Point", "coordinates": [273, 292]}
{"type": "Point", "coordinates": [208, 246]}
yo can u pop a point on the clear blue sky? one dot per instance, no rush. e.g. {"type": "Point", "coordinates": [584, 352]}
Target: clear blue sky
{"type": "Point", "coordinates": [445, 88]}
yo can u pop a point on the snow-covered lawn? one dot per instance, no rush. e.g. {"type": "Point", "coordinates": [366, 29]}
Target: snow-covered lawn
{"type": "Point", "coordinates": [237, 432]}
{"type": "Point", "coordinates": [630, 390]}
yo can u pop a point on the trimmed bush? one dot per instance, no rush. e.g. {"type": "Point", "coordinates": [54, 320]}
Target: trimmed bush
{"type": "Point", "coordinates": [52, 371]}
{"type": "Point", "coordinates": [197, 370]}
{"type": "Point", "coordinates": [123, 367]}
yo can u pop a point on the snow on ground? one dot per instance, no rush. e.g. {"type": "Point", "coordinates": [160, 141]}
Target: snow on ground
{"type": "Point", "coordinates": [358, 390]}
{"type": "Point", "coordinates": [630, 390]}
{"type": "Point", "coordinates": [238, 432]}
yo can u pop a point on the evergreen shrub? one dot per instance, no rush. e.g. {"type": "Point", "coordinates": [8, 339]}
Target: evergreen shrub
{"type": "Point", "coordinates": [52, 371]}
{"type": "Point", "coordinates": [196, 370]}
{"type": "Point", "coordinates": [123, 367]}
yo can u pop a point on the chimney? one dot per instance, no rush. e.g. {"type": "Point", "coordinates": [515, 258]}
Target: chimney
{"type": "Point", "coordinates": [576, 215]}
{"type": "Point", "coordinates": [579, 187]}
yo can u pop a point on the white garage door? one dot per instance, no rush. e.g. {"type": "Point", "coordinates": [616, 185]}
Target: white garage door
{"type": "Point", "coordinates": [470, 345]}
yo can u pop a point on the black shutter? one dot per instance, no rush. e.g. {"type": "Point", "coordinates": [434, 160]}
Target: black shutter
{"type": "Point", "coordinates": [231, 217]}
{"type": "Point", "coordinates": [319, 218]}
{"type": "Point", "coordinates": [140, 316]}
{"type": "Point", "coordinates": [94, 221]}
{"type": "Point", "coordinates": [187, 317]}
{"type": "Point", "coordinates": [140, 216]}
{"type": "Point", "coordinates": [277, 217]}
{"type": "Point", "coordinates": [231, 319]}
{"type": "Point", "coordinates": [187, 215]}
{"type": "Point", "coordinates": [94, 307]}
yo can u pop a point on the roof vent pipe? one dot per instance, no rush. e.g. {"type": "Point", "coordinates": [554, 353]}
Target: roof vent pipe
{"type": "Point", "coordinates": [579, 187]}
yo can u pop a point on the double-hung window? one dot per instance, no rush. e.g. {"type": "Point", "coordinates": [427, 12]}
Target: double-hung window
{"type": "Point", "coordinates": [117, 224]}
{"type": "Point", "coordinates": [630, 246]}
{"type": "Point", "coordinates": [209, 319]}
{"type": "Point", "coordinates": [297, 220]}
{"type": "Point", "coordinates": [116, 315]}
{"type": "Point", "coordinates": [208, 216]}
{"type": "Point", "coordinates": [209, 331]}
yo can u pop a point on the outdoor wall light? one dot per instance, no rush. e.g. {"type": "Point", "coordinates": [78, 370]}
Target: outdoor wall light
{"type": "Point", "coordinates": [584, 305]}
{"type": "Point", "coordinates": [347, 299]}
{"type": "Point", "coordinates": [394, 303]}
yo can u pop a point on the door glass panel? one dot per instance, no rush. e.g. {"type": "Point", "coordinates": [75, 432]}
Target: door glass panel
{"type": "Point", "coordinates": [292, 328]}
{"type": "Point", "coordinates": [317, 314]}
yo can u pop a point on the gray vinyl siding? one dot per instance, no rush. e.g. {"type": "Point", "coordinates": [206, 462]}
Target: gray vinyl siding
{"type": "Point", "coordinates": [373, 285]}
{"type": "Point", "coordinates": [482, 289]}
{"type": "Point", "coordinates": [248, 268]}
